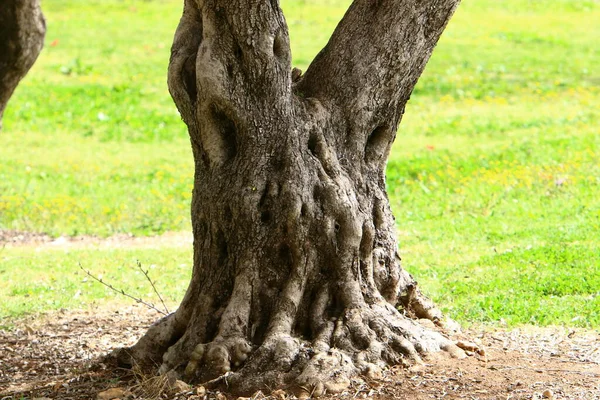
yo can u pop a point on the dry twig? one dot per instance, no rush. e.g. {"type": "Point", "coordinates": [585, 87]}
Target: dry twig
{"type": "Point", "coordinates": [122, 292]}
{"type": "Point", "coordinates": [139, 265]}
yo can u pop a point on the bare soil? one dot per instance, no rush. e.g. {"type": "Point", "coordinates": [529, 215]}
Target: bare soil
{"type": "Point", "coordinates": [41, 241]}
{"type": "Point", "coordinates": [57, 356]}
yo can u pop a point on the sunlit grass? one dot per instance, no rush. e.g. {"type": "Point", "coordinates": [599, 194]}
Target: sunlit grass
{"type": "Point", "coordinates": [494, 176]}
{"type": "Point", "coordinates": [35, 281]}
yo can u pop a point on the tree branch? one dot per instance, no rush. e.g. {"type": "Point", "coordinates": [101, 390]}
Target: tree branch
{"type": "Point", "coordinates": [230, 62]}
{"type": "Point", "coordinates": [182, 67]}
{"type": "Point", "coordinates": [375, 57]}
{"type": "Point", "coordinates": [22, 31]}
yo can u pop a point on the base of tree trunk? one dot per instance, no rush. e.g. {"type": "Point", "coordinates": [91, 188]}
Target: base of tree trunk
{"type": "Point", "coordinates": [360, 341]}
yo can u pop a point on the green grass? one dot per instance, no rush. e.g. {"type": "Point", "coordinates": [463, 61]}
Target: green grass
{"type": "Point", "coordinates": [36, 281]}
{"type": "Point", "coordinates": [494, 177]}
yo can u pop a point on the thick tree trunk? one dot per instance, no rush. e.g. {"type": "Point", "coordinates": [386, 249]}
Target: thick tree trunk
{"type": "Point", "coordinates": [22, 30]}
{"type": "Point", "coordinates": [296, 279]}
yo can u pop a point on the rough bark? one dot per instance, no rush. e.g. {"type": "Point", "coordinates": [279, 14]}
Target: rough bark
{"type": "Point", "coordinates": [22, 30]}
{"type": "Point", "coordinates": [297, 282]}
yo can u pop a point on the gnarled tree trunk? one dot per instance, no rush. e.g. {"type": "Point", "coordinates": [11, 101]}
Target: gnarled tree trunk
{"type": "Point", "coordinates": [296, 279]}
{"type": "Point", "coordinates": [22, 30]}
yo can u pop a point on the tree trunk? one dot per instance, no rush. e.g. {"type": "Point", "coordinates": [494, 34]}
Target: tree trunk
{"type": "Point", "coordinates": [22, 30]}
{"type": "Point", "coordinates": [296, 280]}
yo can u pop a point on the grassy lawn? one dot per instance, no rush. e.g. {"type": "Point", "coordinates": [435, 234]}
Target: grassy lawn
{"type": "Point", "coordinates": [36, 281]}
{"type": "Point", "coordinates": [494, 177]}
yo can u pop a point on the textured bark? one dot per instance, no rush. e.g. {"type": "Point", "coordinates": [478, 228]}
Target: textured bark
{"type": "Point", "coordinates": [296, 280]}
{"type": "Point", "coordinates": [22, 30]}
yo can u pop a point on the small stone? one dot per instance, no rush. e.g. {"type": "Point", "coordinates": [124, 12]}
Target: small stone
{"type": "Point", "coordinates": [220, 396]}
{"type": "Point", "coordinates": [279, 394]}
{"type": "Point", "coordinates": [200, 390]}
{"type": "Point", "coordinates": [373, 372]}
{"type": "Point", "coordinates": [337, 385]}
{"type": "Point", "coordinates": [427, 323]}
{"type": "Point", "coordinates": [415, 368]}
{"type": "Point", "coordinates": [112, 393]}
{"type": "Point", "coordinates": [451, 325]}
{"type": "Point", "coordinates": [548, 394]}
{"type": "Point", "coordinates": [303, 395]}
{"type": "Point", "coordinates": [181, 386]}
{"type": "Point", "coordinates": [467, 346]}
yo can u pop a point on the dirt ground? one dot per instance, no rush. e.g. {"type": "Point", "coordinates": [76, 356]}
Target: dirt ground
{"type": "Point", "coordinates": [56, 355]}
{"type": "Point", "coordinates": [41, 241]}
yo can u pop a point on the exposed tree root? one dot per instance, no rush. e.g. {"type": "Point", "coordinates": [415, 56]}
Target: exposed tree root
{"type": "Point", "coordinates": [360, 341]}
